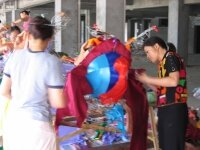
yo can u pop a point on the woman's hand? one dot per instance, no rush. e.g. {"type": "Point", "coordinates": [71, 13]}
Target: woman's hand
{"type": "Point", "coordinates": [142, 77]}
{"type": "Point", "coordinates": [82, 55]}
{"type": "Point", "coordinates": [6, 48]}
{"type": "Point", "coordinates": [20, 41]}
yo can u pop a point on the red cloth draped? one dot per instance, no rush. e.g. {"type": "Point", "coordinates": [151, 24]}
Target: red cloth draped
{"type": "Point", "coordinates": [137, 101]}
{"type": "Point", "coordinates": [77, 86]}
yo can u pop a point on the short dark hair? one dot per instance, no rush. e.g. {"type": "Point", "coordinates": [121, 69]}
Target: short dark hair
{"type": "Point", "coordinates": [25, 11]}
{"type": "Point", "coordinates": [15, 28]}
{"type": "Point", "coordinates": [40, 28]}
{"type": "Point", "coordinates": [153, 40]}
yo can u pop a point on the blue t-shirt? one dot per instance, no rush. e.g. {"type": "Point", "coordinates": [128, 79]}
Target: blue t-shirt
{"type": "Point", "coordinates": [32, 73]}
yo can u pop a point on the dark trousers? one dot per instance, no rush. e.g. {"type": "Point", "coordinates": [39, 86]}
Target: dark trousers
{"type": "Point", "coordinates": [172, 125]}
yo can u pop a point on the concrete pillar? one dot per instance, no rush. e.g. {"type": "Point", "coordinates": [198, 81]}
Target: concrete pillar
{"type": "Point", "coordinates": [92, 17]}
{"type": "Point", "coordinates": [85, 24]}
{"type": "Point", "coordinates": [15, 14]}
{"type": "Point", "coordinates": [68, 40]}
{"type": "Point", "coordinates": [110, 16]}
{"type": "Point", "coordinates": [178, 16]}
{"type": "Point", "coordinates": [8, 17]}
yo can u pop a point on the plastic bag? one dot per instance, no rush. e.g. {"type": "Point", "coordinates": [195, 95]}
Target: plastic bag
{"type": "Point", "coordinates": [196, 93]}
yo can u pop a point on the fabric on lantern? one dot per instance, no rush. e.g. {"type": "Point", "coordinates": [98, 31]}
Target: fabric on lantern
{"type": "Point", "coordinates": [77, 86]}
{"type": "Point", "coordinates": [93, 42]}
{"type": "Point", "coordinates": [113, 96]}
{"type": "Point", "coordinates": [112, 45]}
{"type": "Point", "coordinates": [101, 74]}
{"type": "Point", "coordinates": [107, 46]}
{"type": "Point", "coordinates": [114, 75]}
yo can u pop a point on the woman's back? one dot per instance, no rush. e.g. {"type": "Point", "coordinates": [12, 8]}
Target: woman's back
{"type": "Point", "coordinates": [31, 74]}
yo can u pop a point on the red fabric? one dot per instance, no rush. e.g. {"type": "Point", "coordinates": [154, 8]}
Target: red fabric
{"type": "Point", "coordinates": [77, 86]}
{"type": "Point", "coordinates": [117, 91]}
{"type": "Point", "coordinates": [105, 47]}
{"type": "Point", "coordinates": [192, 132]}
{"type": "Point", "coordinates": [137, 101]}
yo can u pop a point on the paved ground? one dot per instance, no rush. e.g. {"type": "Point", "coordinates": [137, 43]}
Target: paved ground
{"type": "Point", "coordinates": [193, 76]}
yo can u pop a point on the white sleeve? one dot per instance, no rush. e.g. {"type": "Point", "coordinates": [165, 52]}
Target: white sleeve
{"type": "Point", "coordinates": [55, 78]}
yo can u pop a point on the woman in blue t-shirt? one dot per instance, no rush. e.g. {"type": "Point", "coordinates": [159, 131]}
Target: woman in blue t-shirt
{"type": "Point", "coordinates": [33, 82]}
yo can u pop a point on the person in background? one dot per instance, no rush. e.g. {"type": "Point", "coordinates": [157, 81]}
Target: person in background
{"type": "Point", "coordinates": [24, 18]}
{"type": "Point", "coordinates": [171, 93]}
{"type": "Point", "coordinates": [3, 27]}
{"type": "Point", "coordinates": [8, 44]}
{"type": "Point", "coordinates": [34, 83]}
{"type": "Point", "coordinates": [14, 32]}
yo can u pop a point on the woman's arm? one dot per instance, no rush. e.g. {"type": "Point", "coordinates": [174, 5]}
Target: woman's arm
{"type": "Point", "coordinates": [152, 87]}
{"type": "Point", "coordinates": [16, 22]}
{"type": "Point", "coordinates": [57, 98]}
{"type": "Point", "coordinates": [170, 81]}
{"type": "Point", "coordinates": [81, 56]}
{"type": "Point", "coordinates": [5, 89]}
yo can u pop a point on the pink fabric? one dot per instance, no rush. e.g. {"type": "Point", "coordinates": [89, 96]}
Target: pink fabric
{"type": "Point", "coordinates": [26, 24]}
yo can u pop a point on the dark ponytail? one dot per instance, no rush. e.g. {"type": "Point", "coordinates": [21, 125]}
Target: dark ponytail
{"type": "Point", "coordinates": [171, 47]}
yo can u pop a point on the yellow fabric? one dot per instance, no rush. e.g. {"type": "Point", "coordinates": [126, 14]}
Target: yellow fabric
{"type": "Point", "coordinates": [198, 124]}
{"type": "Point", "coordinates": [4, 105]}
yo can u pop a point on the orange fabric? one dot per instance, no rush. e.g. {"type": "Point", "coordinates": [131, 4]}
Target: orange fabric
{"type": "Point", "coordinates": [128, 43]}
{"type": "Point", "coordinates": [93, 42]}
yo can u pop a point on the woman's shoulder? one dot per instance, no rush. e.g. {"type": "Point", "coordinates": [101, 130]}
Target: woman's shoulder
{"type": "Point", "coordinates": [18, 53]}
{"type": "Point", "coordinates": [51, 58]}
{"type": "Point", "coordinates": [172, 55]}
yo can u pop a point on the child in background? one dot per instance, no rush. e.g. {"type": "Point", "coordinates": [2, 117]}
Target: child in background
{"type": "Point", "coordinates": [25, 19]}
